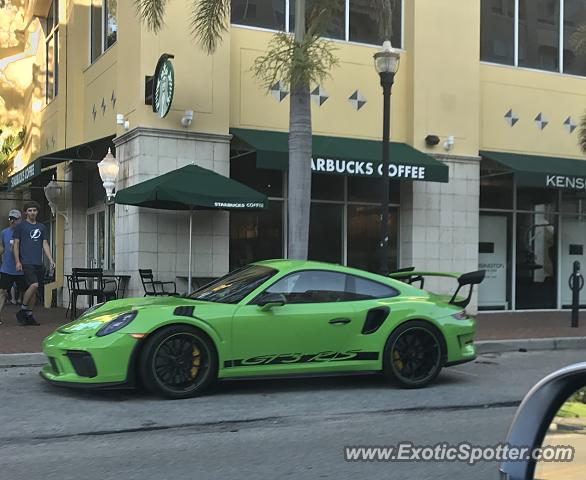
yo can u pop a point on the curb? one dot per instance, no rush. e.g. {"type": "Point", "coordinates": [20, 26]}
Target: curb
{"type": "Point", "coordinates": [22, 360]}
{"type": "Point", "coordinates": [531, 345]}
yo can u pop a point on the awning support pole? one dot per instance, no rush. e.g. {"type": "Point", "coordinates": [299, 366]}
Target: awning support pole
{"type": "Point", "coordinates": [190, 240]}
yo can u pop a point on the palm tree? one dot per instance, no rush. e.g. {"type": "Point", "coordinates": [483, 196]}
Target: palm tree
{"type": "Point", "coordinates": [578, 43]}
{"type": "Point", "coordinates": [10, 144]}
{"type": "Point", "coordinates": [298, 61]}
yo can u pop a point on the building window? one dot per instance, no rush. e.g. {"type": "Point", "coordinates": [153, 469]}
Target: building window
{"type": "Point", "coordinates": [539, 34]}
{"type": "Point", "coordinates": [104, 26]}
{"type": "Point", "coordinates": [351, 20]}
{"type": "Point", "coordinates": [337, 26]}
{"type": "Point", "coordinates": [259, 13]}
{"type": "Point", "coordinates": [574, 17]}
{"type": "Point", "coordinates": [365, 25]}
{"type": "Point", "coordinates": [497, 39]}
{"type": "Point", "coordinates": [533, 34]}
{"type": "Point", "coordinates": [52, 52]}
{"type": "Point", "coordinates": [344, 221]}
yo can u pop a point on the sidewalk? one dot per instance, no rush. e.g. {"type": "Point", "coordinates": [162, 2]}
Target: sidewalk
{"type": "Point", "coordinates": [17, 339]}
{"type": "Point", "coordinates": [491, 327]}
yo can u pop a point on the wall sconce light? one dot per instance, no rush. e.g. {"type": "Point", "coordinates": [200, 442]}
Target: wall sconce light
{"type": "Point", "coordinates": [187, 119]}
{"type": "Point", "coordinates": [54, 196]}
{"type": "Point", "coordinates": [109, 168]}
{"type": "Point", "coordinates": [449, 143]}
{"type": "Point", "coordinates": [120, 120]}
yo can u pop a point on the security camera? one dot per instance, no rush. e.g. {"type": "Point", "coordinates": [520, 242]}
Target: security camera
{"type": "Point", "coordinates": [187, 118]}
{"type": "Point", "coordinates": [449, 143]}
{"type": "Point", "coordinates": [119, 119]}
{"type": "Point", "coordinates": [432, 140]}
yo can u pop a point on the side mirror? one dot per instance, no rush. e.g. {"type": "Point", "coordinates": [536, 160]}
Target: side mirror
{"type": "Point", "coordinates": [271, 300]}
{"type": "Point", "coordinates": [547, 422]}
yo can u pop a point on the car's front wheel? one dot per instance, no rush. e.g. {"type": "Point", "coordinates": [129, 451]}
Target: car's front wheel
{"type": "Point", "coordinates": [178, 362]}
{"type": "Point", "coordinates": [413, 355]}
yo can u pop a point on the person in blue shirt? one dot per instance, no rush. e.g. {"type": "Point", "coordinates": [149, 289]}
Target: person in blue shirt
{"type": "Point", "coordinates": [8, 273]}
{"type": "Point", "coordinates": [30, 242]}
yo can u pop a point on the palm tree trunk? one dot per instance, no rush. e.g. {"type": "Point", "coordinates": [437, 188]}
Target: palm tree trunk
{"type": "Point", "coordinates": [299, 180]}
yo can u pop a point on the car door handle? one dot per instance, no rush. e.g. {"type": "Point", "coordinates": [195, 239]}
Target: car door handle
{"type": "Point", "coordinates": [339, 321]}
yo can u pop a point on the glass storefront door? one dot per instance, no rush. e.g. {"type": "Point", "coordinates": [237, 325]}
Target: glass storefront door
{"type": "Point", "coordinates": [100, 238]}
{"type": "Point", "coordinates": [493, 256]}
{"type": "Point", "coordinates": [91, 241]}
{"type": "Point", "coordinates": [536, 266]}
{"type": "Point", "coordinates": [573, 248]}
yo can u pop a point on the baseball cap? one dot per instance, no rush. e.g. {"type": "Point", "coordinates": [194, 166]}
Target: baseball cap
{"type": "Point", "coordinates": [14, 214]}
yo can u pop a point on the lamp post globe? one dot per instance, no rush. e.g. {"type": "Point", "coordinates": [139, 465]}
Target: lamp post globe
{"type": "Point", "coordinates": [109, 168]}
{"type": "Point", "coordinates": [53, 195]}
{"type": "Point", "coordinates": [386, 64]}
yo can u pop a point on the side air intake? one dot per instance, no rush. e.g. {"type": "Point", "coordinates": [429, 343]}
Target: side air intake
{"type": "Point", "coordinates": [374, 319]}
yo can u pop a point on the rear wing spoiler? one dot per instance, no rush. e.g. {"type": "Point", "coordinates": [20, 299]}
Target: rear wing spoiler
{"type": "Point", "coordinates": [410, 276]}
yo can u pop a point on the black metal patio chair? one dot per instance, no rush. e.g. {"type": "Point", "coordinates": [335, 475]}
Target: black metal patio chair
{"type": "Point", "coordinates": [90, 282]}
{"type": "Point", "coordinates": [154, 287]}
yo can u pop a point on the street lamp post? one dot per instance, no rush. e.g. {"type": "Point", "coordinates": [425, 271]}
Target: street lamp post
{"type": "Point", "coordinates": [386, 63]}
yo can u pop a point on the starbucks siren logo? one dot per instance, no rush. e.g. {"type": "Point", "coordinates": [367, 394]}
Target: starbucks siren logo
{"type": "Point", "coordinates": [164, 87]}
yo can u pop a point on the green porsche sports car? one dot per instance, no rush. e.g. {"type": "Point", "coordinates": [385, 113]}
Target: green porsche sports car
{"type": "Point", "coordinates": [273, 317]}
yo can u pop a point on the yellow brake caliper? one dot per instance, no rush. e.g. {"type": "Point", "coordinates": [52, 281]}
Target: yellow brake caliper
{"type": "Point", "coordinates": [194, 362]}
{"type": "Point", "coordinates": [397, 360]}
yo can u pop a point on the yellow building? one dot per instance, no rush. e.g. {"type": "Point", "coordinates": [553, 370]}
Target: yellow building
{"type": "Point", "coordinates": [486, 165]}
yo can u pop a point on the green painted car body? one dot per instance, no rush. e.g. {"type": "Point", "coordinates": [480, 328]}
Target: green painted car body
{"type": "Point", "coordinates": [250, 340]}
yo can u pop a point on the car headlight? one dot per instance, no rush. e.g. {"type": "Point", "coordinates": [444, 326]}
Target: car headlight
{"type": "Point", "coordinates": [118, 323]}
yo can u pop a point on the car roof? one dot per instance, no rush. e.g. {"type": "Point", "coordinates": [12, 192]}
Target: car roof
{"type": "Point", "coordinates": [291, 265]}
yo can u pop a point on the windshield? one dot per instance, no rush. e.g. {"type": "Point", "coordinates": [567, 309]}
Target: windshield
{"type": "Point", "coordinates": [235, 286]}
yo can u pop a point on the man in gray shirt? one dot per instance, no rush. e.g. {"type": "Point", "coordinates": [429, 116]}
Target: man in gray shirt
{"type": "Point", "coordinates": [30, 241]}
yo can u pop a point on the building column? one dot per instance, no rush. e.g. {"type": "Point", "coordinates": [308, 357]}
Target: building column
{"type": "Point", "coordinates": [159, 239]}
{"type": "Point", "coordinates": [440, 221]}
{"type": "Point", "coordinates": [74, 235]}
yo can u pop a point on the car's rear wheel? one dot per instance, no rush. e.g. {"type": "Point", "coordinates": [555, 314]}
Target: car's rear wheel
{"type": "Point", "coordinates": [413, 355]}
{"type": "Point", "coordinates": [178, 362]}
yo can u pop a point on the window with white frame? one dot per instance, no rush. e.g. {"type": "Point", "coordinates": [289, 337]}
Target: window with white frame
{"type": "Point", "coordinates": [52, 51]}
{"type": "Point", "coordinates": [534, 34]}
{"type": "Point", "coordinates": [104, 26]}
{"type": "Point", "coordinates": [351, 20]}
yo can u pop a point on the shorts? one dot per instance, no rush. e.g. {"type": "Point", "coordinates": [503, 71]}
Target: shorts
{"type": "Point", "coordinates": [34, 274]}
{"type": "Point", "coordinates": [7, 280]}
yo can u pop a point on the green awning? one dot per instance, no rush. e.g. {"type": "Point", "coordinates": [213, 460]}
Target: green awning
{"type": "Point", "coordinates": [541, 171]}
{"type": "Point", "coordinates": [344, 156]}
{"type": "Point", "coordinates": [192, 187]}
{"type": "Point", "coordinates": [91, 152]}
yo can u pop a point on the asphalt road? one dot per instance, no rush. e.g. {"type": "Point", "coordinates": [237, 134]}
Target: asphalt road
{"type": "Point", "coordinates": [262, 429]}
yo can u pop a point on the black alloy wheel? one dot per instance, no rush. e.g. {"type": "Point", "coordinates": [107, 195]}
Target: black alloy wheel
{"type": "Point", "coordinates": [178, 362]}
{"type": "Point", "coordinates": [413, 355]}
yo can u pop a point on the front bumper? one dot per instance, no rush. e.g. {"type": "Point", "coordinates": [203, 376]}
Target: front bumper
{"type": "Point", "coordinates": [86, 361]}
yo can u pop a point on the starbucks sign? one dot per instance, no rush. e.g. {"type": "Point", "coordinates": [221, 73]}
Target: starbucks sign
{"type": "Point", "coordinates": [162, 86]}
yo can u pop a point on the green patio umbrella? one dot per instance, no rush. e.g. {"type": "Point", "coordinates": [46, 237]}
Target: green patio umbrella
{"type": "Point", "coordinates": [192, 188]}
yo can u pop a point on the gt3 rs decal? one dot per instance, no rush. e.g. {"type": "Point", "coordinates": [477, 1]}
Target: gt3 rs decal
{"type": "Point", "coordinates": [292, 358]}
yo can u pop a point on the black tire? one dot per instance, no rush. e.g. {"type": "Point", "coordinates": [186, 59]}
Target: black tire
{"type": "Point", "coordinates": [414, 354]}
{"type": "Point", "coordinates": [178, 362]}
